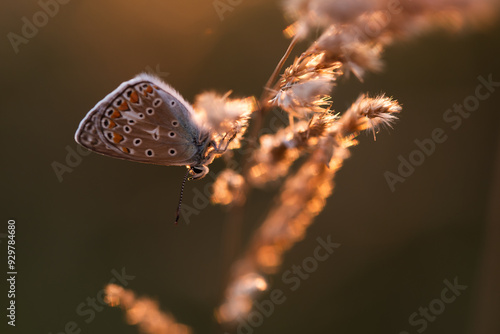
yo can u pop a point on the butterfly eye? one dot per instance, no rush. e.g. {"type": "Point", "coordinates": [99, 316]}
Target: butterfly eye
{"type": "Point", "coordinates": [118, 102]}
{"type": "Point", "coordinates": [127, 129]}
{"type": "Point", "coordinates": [171, 134]}
{"type": "Point", "coordinates": [172, 152]}
{"type": "Point", "coordinates": [149, 153]}
{"type": "Point", "coordinates": [141, 116]}
{"type": "Point", "coordinates": [198, 172]}
{"type": "Point", "coordinates": [150, 111]}
{"type": "Point", "coordinates": [175, 123]}
{"type": "Point", "coordinates": [109, 112]}
{"type": "Point", "coordinates": [131, 122]}
{"type": "Point", "coordinates": [137, 142]}
{"type": "Point", "coordinates": [156, 102]}
{"type": "Point", "coordinates": [172, 103]}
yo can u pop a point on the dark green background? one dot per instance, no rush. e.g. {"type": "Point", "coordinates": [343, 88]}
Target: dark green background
{"type": "Point", "coordinates": [397, 248]}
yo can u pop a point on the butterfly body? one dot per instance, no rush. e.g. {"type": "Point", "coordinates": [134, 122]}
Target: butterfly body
{"type": "Point", "coordinates": [146, 120]}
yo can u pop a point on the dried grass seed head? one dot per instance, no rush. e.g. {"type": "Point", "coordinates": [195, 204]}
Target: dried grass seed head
{"type": "Point", "coordinates": [306, 85]}
{"type": "Point", "coordinates": [277, 152]}
{"type": "Point", "coordinates": [370, 113]}
{"type": "Point", "coordinates": [223, 116]}
{"type": "Point", "coordinates": [328, 12]}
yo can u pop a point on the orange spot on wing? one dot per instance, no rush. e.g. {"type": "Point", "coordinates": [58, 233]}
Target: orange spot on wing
{"type": "Point", "coordinates": [123, 106]}
{"type": "Point", "coordinates": [126, 150]}
{"type": "Point", "coordinates": [148, 90]}
{"type": "Point", "coordinates": [117, 138]}
{"type": "Point", "coordinates": [115, 114]}
{"type": "Point", "coordinates": [134, 98]}
{"type": "Point", "coordinates": [111, 125]}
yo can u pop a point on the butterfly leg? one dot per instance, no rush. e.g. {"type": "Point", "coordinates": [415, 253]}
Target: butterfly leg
{"type": "Point", "coordinates": [199, 171]}
{"type": "Point", "coordinates": [218, 149]}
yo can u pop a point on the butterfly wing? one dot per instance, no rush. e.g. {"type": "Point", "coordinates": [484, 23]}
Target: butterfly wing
{"type": "Point", "coordinates": [144, 120]}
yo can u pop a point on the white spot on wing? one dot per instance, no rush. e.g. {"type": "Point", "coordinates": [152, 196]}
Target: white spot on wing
{"type": "Point", "coordinates": [155, 133]}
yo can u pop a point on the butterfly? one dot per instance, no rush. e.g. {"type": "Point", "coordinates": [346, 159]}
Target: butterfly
{"type": "Point", "coordinates": [146, 120]}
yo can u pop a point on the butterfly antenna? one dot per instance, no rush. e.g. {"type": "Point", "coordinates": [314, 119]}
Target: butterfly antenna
{"type": "Point", "coordinates": [180, 198]}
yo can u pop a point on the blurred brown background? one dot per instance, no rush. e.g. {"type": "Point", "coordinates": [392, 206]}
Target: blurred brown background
{"type": "Point", "coordinates": [397, 247]}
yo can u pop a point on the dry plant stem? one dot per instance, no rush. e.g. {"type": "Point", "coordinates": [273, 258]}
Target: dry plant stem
{"type": "Point", "coordinates": [301, 199]}
{"type": "Point", "coordinates": [231, 245]}
{"type": "Point", "coordinates": [235, 214]}
{"type": "Point", "coordinates": [264, 106]}
{"type": "Point", "coordinates": [277, 70]}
